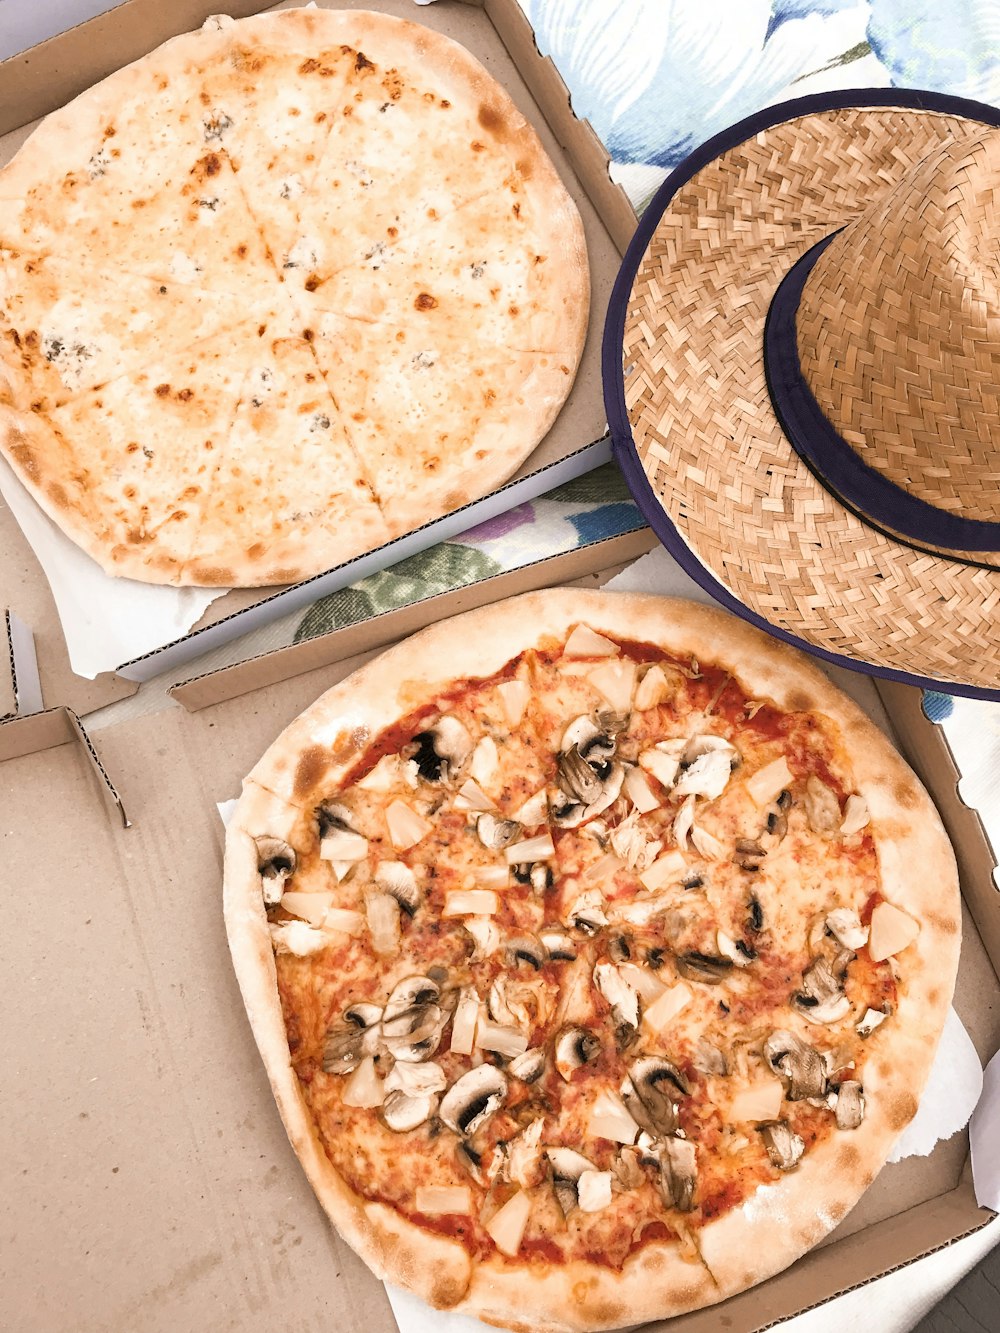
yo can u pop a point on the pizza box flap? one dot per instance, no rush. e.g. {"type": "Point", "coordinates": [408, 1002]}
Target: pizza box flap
{"type": "Point", "coordinates": [497, 32]}
{"type": "Point", "coordinates": [25, 593]}
{"type": "Point", "coordinates": [179, 1201]}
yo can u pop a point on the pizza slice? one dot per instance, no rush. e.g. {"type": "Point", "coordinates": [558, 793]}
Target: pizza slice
{"type": "Point", "coordinates": [65, 330]}
{"type": "Point", "coordinates": [436, 420]}
{"type": "Point", "coordinates": [495, 268]}
{"type": "Point", "coordinates": [287, 466]}
{"type": "Point", "coordinates": [419, 130]}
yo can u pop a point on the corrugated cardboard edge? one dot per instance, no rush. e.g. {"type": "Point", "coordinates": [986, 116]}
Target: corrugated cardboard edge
{"type": "Point", "coordinates": [51, 727]}
{"type": "Point", "coordinates": [323, 650]}
{"type": "Point", "coordinates": [925, 745]}
{"type": "Point", "coordinates": [299, 595]}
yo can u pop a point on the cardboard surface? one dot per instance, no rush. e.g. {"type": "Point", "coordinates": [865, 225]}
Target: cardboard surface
{"type": "Point", "coordinates": [150, 1184]}
{"type": "Point", "coordinates": [50, 74]}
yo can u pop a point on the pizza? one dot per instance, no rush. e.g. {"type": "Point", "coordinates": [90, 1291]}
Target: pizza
{"type": "Point", "coordinates": [597, 948]}
{"type": "Point", "coordinates": [279, 292]}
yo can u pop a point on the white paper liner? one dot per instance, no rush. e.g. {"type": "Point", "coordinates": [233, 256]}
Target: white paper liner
{"type": "Point", "coordinates": [105, 620]}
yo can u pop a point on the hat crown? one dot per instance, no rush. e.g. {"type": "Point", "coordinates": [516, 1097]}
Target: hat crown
{"type": "Point", "coordinates": [898, 330]}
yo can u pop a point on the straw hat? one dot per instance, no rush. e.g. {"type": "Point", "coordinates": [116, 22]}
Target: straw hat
{"type": "Point", "coordinates": [802, 374]}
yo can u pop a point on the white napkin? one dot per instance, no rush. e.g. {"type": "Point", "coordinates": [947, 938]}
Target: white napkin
{"type": "Point", "coordinates": [105, 620]}
{"type": "Point", "coordinates": [985, 1141]}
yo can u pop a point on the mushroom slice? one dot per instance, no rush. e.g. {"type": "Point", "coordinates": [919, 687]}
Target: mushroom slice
{"type": "Point", "coordinates": [577, 778]}
{"type": "Point", "coordinates": [590, 738]}
{"type": "Point", "coordinates": [275, 863]}
{"type": "Point", "coordinates": [363, 1016]}
{"type": "Point", "coordinates": [567, 1167]}
{"type": "Point", "coordinates": [651, 1092]}
{"type": "Point", "coordinates": [678, 1173]}
{"type": "Point", "coordinates": [473, 1098]}
{"type": "Point", "coordinates": [822, 998]}
{"type": "Point", "coordinates": [738, 952]}
{"type": "Point", "coordinates": [784, 1147]}
{"type": "Point", "coordinates": [850, 1109]}
{"type": "Point", "coordinates": [339, 840]}
{"type": "Point", "coordinates": [587, 913]}
{"type": "Point", "coordinates": [525, 949]}
{"type": "Point", "coordinates": [574, 1048]}
{"type": "Point", "coordinates": [415, 1033]}
{"type": "Point", "coordinates": [399, 881]}
{"type": "Point", "coordinates": [620, 995]}
{"type": "Point", "coordinates": [401, 1112]}
{"type": "Point", "coordinates": [416, 1080]}
{"type": "Point", "coordinates": [496, 834]}
{"type": "Point", "coordinates": [560, 946]}
{"type": "Point", "coordinates": [822, 807]}
{"type": "Point", "coordinates": [528, 1066]}
{"type": "Point", "coordinates": [748, 854]}
{"type": "Point", "coordinates": [708, 1059]}
{"type": "Point", "coordinates": [703, 967]}
{"type": "Point", "coordinates": [870, 1021]}
{"type": "Point", "coordinates": [797, 1063]}
{"type": "Point", "coordinates": [413, 990]}
{"type": "Point", "coordinates": [442, 749]}
{"type": "Point", "coordinates": [846, 928]}
{"type": "Point", "coordinates": [343, 1049]}
{"type": "Point", "coordinates": [627, 1172]}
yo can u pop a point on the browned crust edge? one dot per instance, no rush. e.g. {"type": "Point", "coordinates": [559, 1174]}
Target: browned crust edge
{"type": "Point", "coordinates": [788, 1217]}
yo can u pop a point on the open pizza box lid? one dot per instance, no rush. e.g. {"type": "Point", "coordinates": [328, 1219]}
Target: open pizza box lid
{"type": "Point", "coordinates": [180, 1201]}
{"type": "Point", "coordinates": [48, 75]}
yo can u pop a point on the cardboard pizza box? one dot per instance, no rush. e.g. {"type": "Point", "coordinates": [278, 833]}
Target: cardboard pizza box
{"type": "Point", "coordinates": [150, 1170]}
{"type": "Point", "coordinates": [48, 75]}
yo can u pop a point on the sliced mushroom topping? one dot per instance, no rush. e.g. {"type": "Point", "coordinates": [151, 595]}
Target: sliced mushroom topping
{"type": "Point", "coordinates": [678, 1173]}
{"type": "Point", "coordinates": [575, 1048]}
{"type": "Point", "coordinates": [496, 834]}
{"type": "Point", "coordinates": [414, 990]}
{"type": "Point", "coordinates": [577, 778]}
{"type": "Point", "coordinates": [708, 1059]}
{"type": "Point", "coordinates": [275, 862]}
{"type": "Point", "coordinates": [528, 1066]}
{"type": "Point", "coordinates": [442, 749]}
{"type": "Point", "coordinates": [784, 1147]}
{"type": "Point", "coordinates": [470, 1160]}
{"type": "Point", "coordinates": [872, 1018]}
{"type": "Point", "coordinates": [822, 807]}
{"type": "Point", "coordinates": [570, 812]}
{"type": "Point", "coordinates": [473, 1098]}
{"type": "Point", "coordinates": [525, 949]}
{"type": "Point", "coordinates": [651, 1092]}
{"type": "Point", "coordinates": [414, 1033]}
{"type": "Point", "coordinates": [737, 951]}
{"type": "Point", "coordinates": [620, 995]}
{"type": "Point", "coordinates": [627, 1171]}
{"type": "Point", "coordinates": [846, 928]}
{"type": "Point", "coordinates": [402, 1112]}
{"type": "Point", "coordinates": [850, 1109]}
{"type": "Point", "coordinates": [567, 1167]}
{"type": "Point", "coordinates": [775, 823]}
{"type": "Point", "coordinates": [343, 1049]}
{"type": "Point", "coordinates": [797, 1063]}
{"type": "Point", "coordinates": [619, 948]}
{"type": "Point", "coordinates": [363, 1016]}
{"type": "Point", "coordinates": [399, 881]}
{"type": "Point", "coordinates": [560, 946]}
{"type": "Point", "coordinates": [593, 736]}
{"type": "Point", "coordinates": [416, 1080]}
{"type": "Point", "coordinates": [587, 913]}
{"type": "Point", "coordinates": [822, 998]}
{"type": "Point", "coordinates": [755, 915]}
{"type": "Point", "coordinates": [703, 967]}
{"type": "Point", "coordinates": [749, 854]}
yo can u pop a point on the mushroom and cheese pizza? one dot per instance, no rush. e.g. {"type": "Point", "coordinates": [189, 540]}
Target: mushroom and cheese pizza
{"type": "Point", "coordinates": [597, 948]}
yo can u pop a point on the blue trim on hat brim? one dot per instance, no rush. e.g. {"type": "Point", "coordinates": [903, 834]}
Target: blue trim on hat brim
{"type": "Point", "coordinates": [827, 454]}
{"type": "Point", "coordinates": [622, 443]}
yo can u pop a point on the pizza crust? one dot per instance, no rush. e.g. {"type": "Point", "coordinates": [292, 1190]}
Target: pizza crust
{"type": "Point", "coordinates": [181, 213]}
{"type": "Point", "coordinates": [788, 1217]}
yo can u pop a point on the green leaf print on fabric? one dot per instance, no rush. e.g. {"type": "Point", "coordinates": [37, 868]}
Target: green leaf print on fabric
{"type": "Point", "coordinates": [605, 485]}
{"type": "Point", "coordinates": [448, 565]}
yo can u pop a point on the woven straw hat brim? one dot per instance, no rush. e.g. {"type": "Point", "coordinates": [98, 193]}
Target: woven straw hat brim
{"type": "Point", "coordinates": [691, 418]}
